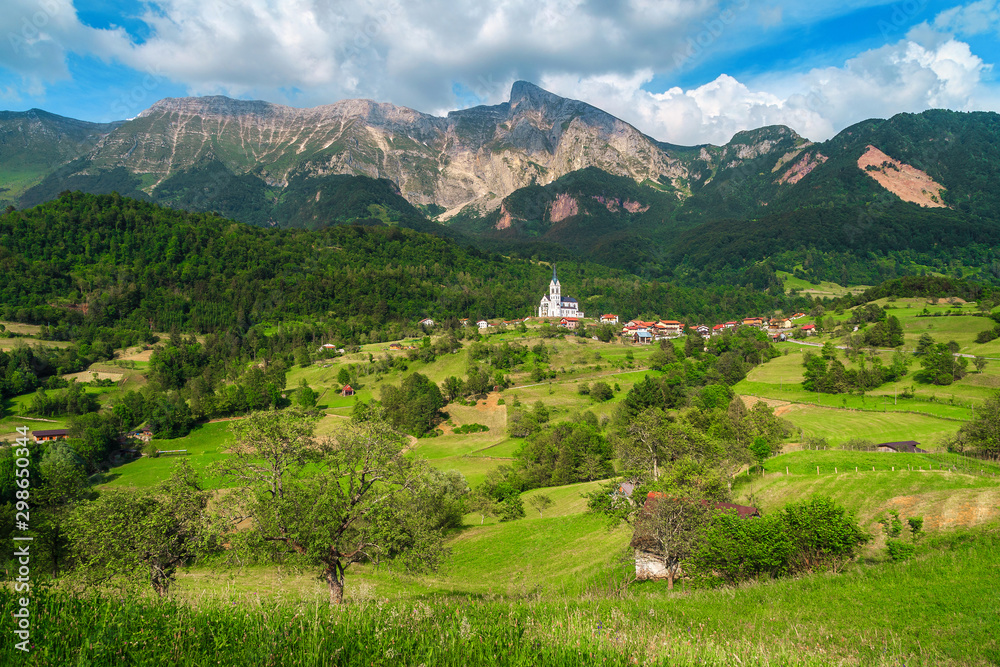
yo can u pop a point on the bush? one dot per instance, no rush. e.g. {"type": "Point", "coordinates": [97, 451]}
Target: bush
{"type": "Point", "coordinates": [472, 428]}
{"type": "Point", "coordinates": [734, 550]}
{"type": "Point", "coordinates": [900, 550]}
{"type": "Point", "coordinates": [601, 392]}
{"type": "Point", "coordinates": [510, 508]}
{"type": "Point", "coordinates": [826, 536]}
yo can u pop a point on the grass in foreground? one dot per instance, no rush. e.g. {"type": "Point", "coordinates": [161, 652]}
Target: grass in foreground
{"type": "Point", "coordinates": [937, 609]}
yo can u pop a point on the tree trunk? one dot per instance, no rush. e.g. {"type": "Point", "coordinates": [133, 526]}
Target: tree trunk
{"type": "Point", "coordinates": [335, 580]}
{"type": "Point", "coordinates": [670, 578]}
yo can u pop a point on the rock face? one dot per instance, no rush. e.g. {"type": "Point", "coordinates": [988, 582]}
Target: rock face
{"type": "Point", "coordinates": [802, 168]}
{"type": "Point", "coordinates": [906, 182]}
{"type": "Point", "coordinates": [473, 156]}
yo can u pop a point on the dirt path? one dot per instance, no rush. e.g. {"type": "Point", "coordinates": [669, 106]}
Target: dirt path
{"type": "Point", "coordinates": [780, 407]}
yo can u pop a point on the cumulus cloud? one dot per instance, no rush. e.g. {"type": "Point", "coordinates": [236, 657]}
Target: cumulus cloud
{"type": "Point", "coordinates": [314, 52]}
{"type": "Point", "coordinates": [434, 54]}
{"type": "Point", "coordinates": [973, 19]}
{"type": "Point", "coordinates": [923, 71]}
{"type": "Point", "coordinates": [40, 34]}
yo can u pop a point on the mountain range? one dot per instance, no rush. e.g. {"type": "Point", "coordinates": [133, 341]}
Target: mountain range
{"type": "Point", "coordinates": [549, 176]}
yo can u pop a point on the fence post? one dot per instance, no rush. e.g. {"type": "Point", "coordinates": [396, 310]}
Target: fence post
{"type": "Point", "coordinates": [786, 471]}
{"type": "Point", "coordinates": [817, 470]}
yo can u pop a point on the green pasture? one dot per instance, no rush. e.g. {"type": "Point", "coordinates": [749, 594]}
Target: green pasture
{"type": "Point", "coordinates": [936, 609]}
{"type": "Point", "coordinates": [205, 445]}
{"type": "Point", "coordinates": [824, 289]}
{"type": "Point", "coordinates": [838, 425]}
{"type": "Point", "coordinates": [946, 499]}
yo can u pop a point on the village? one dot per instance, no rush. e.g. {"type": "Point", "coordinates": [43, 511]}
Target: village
{"type": "Point", "coordinates": [564, 311]}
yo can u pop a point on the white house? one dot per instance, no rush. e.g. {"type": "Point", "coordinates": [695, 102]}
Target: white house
{"type": "Point", "coordinates": [554, 304]}
{"type": "Point", "coordinates": [609, 319]}
{"type": "Point", "coordinates": [483, 324]}
{"type": "Point", "coordinates": [426, 322]}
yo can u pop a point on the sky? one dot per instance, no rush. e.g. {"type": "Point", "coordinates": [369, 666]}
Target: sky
{"type": "Point", "coordinates": [682, 71]}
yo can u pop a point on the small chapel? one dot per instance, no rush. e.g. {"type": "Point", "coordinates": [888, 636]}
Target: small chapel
{"type": "Point", "coordinates": [554, 304]}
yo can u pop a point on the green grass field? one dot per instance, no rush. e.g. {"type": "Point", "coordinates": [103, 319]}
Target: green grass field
{"type": "Point", "coordinates": [944, 498]}
{"type": "Point", "coordinates": [556, 578]}
{"type": "Point", "coordinates": [205, 445]}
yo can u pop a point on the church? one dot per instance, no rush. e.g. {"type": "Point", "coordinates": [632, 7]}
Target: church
{"type": "Point", "coordinates": [554, 304]}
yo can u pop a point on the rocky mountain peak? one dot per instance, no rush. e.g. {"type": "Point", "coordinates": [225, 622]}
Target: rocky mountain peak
{"type": "Point", "coordinates": [525, 95]}
{"type": "Point", "coordinates": [215, 105]}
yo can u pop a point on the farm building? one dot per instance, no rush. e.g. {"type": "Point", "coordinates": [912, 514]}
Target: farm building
{"type": "Point", "coordinates": [52, 434]}
{"type": "Point", "coordinates": [908, 446]}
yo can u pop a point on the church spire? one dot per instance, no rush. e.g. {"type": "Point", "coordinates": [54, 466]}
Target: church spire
{"type": "Point", "coordinates": [554, 278]}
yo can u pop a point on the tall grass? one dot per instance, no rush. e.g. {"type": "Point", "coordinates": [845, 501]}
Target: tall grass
{"type": "Point", "coordinates": [938, 609]}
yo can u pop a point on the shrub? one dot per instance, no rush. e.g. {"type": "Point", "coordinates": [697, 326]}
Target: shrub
{"type": "Point", "coordinates": [734, 550]}
{"type": "Point", "coordinates": [826, 536]}
{"type": "Point", "coordinates": [472, 428]}
{"type": "Point", "coordinates": [601, 391]}
{"type": "Point", "coordinates": [900, 550]}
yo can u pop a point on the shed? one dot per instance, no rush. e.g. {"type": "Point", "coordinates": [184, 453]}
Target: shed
{"type": "Point", "coordinates": [348, 390]}
{"type": "Point", "coordinates": [51, 434]}
{"type": "Point", "coordinates": [907, 446]}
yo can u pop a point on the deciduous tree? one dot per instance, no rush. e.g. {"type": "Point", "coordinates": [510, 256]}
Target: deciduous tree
{"type": "Point", "coordinates": [355, 497]}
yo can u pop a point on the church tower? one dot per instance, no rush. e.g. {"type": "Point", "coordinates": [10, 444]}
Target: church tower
{"type": "Point", "coordinates": [555, 288]}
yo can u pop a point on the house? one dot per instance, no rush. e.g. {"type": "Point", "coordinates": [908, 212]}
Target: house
{"type": "Point", "coordinates": [718, 329]}
{"type": "Point", "coordinates": [731, 325]}
{"type": "Point", "coordinates": [348, 390]}
{"type": "Point", "coordinates": [753, 321]}
{"type": "Point", "coordinates": [810, 329]}
{"type": "Point", "coordinates": [642, 336]}
{"type": "Point", "coordinates": [145, 434]}
{"type": "Point", "coordinates": [570, 322]}
{"type": "Point", "coordinates": [672, 326]}
{"type": "Point", "coordinates": [703, 330]}
{"type": "Point", "coordinates": [51, 434]}
{"type": "Point", "coordinates": [907, 446]}
{"type": "Point", "coordinates": [625, 489]}
{"type": "Point", "coordinates": [395, 346]}
{"type": "Point", "coordinates": [650, 566]}
{"type": "Point", "coordinates": [798, 315]}
{"type": "Point", "coordinates": [328, 346]}
{"type": "Point", "coordinates": [426, 322]}
{"type": "Point", "coordinates": [780, 323]}
{"type": "Point", "coordinates": [554, 304]}
{"type": "Point", "coordinates": [483, 324]}
{"type": "Point", "coordinates": [464, 321]}
{"type": "Point", "coordinates": [609, 319]}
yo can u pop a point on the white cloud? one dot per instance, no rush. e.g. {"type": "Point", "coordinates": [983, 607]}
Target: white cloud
{"type": "Point", "coordinates": [906, 76]}
{"type": "Point", "coordinates": [40, 33]}
{"type": "Point", "coordinates": [973, 19]}
{"type": "Point", "coordinates": [606, 52]}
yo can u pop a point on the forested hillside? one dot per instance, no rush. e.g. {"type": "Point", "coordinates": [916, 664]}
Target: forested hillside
{"type": "Point", "coordinates": [110, 260]}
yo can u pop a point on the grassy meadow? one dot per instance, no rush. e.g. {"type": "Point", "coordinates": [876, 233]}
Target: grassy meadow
{"type": "Point", "coordinates": [550, 589]}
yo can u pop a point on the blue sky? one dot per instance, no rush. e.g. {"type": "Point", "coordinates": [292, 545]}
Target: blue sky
{"type": "Point", "coordinates": [685, 71]}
